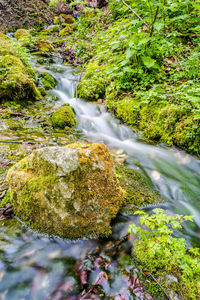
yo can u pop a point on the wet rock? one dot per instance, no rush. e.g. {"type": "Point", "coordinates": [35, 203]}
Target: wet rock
{"type": "Point", "coordinates": [69, 191]}
{"type": "Point", "coordinates": [64, 117]}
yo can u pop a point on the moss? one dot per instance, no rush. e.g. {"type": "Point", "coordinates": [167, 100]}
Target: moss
{"type": "Point", "coordinates": [6, 199]}
{"type": "Point", "coordinates": [91, 89]}
{"type": "Point", "coordinates": [67, 19]}
{"type": "Point", "coordinates": [5, 45]}
{"type": "Point", "coordinates": [66, 31]}
{"type": "Point", "coordinates": [56, 20]}
{"type": "Point", "coordinates": [16, 83]}
{"type": "Point", "coordinates": [163, 114]}
{"type": "Point", "coordinates": [95, 199]}
{"type": "Point", "coordinates": [44, 46]}
{"type": "Point", "coordinates": [138, 190]}
{"type": "Point", "coordinates": [42, 91]}
{"type": "Point", "coordinates": [48, 81]}
{"type": "Point", "coordinates": [21, 33]}
{"type": "Point", "coordinates": [64, 117]}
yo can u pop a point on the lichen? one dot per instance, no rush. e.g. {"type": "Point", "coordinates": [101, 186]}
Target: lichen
{"type": "Point", "coordinates": [63, 117]}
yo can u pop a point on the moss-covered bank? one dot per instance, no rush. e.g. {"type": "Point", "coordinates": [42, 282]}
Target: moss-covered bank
{"type": "Point", "coordinates": [149, 80]}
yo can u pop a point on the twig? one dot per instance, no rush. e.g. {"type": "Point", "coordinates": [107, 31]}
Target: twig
{"type": "Point", "coordinates": [130, 8]}
{"type": "Point", "coordinates": [154, 20]}
{"type": "Point", "coordinates": [159, 285]}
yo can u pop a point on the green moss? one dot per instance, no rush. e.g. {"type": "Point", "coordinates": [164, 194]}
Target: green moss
{"type": "Point", "coordinates": [66, 31]}
{"type": "Point", "coordinates": [67, 18]}
{"type": "Point", "coordinates": [56, 20]}
{"type": "Point", "coordinates": [48, 81]}
{"type": "Point", "coordinates": [64, 117]}
{"type": "Point", "coordinates": [6, 199]}
{"type": "Point", "coordinates": [21, 33]}
{"type": "Point", "coordinates": [91, 89]}
{"type": "Point", "coordinates": [44, 46]}
{"type": "Point", "coordinates": [164, 114]}
{"type": "Point", "coordinates": [42, 91]}
{"type": "Point", "coordinates": [138, 191]}
{"type": "Point", "coordinates": [17, 83]}
{"type": "Point", "coordinates": [5, 45]}
{"type": "Point", "coordinates": [41, 196]}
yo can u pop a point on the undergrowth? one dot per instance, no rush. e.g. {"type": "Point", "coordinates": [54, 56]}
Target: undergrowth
{"type": "Point", "coordinates": [146, 70]}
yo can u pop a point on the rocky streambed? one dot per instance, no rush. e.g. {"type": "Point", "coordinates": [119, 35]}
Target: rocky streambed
{"type": "Point", "coordinates": [37, 266]}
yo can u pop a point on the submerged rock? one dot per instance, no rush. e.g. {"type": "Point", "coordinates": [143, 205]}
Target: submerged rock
{"type": "Point", "coordinates": [64, 117]}
{"type": "Point", "coordinates": [69, 191]}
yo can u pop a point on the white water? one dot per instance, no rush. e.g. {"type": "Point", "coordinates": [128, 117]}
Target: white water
{"type": "Point", "coordinates": [174, 173]}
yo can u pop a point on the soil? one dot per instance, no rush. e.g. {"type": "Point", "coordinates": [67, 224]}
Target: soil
{"type": "Point", "coordinates": [16, 14]}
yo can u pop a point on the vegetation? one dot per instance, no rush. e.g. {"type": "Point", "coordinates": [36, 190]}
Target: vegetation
{"type": "Point", "coordinates": [145, 66]}
{"type": "Point", "coordinates": [166, 254]}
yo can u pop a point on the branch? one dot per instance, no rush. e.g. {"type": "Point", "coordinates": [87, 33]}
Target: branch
{"type": "Point", "coordinates": [152, 26]}
{"type": "Point", "coordinates": [134, 13]}
{"type": "Point", "coordinates": [159, 285]}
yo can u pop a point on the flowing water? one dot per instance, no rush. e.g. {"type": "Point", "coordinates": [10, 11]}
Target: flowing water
{"type": "Point", "coordinates": [34, 266]}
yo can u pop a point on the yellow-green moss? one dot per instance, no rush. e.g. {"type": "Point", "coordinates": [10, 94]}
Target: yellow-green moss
{"type": "Point", "coordinates": [16, 83]}
{"type": "Point", "coordinates": [5, 45]}
{"type": "Point", "coordinates": [21, 33]}
{"type": "Point", "coordinates": [63, 117]}
{"type": "Point", "coordinates": [44, 46]}
{"type": "Point", "coordinates": [67, 18]}
{"type": "Point", "coordinates": [66, 31]}
{"type": "Point", "coordinates": [92, 183]}
{"type": "Point", "coordinates": [56, 20]}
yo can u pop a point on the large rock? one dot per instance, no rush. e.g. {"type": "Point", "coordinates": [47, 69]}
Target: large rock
{"type": "Point", "coordinates": [68, 191]}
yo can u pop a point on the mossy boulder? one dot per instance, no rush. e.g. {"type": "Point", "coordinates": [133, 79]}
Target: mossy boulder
{"type": "Point", "coordinates": [44, 46]}
{"type": "Point", "coordinates": [16, 82]}
{"type": "Point", "coordinates": [68, 191]}
{"type": "Point", "coordinates": [63, 117]}
{"type": "Point", "coordinates": [21, 33]}
{"type": "Point", "coordinates": [91, 89]}
{"type": "Point", "coordinates": [48, 81]}
{"type": "Point", "coordinates": [66, 30]}
{"type": "Point", "coordinates": [66, 19]}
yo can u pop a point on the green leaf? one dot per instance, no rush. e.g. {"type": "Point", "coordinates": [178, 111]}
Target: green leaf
{"type": "Point", "coordinates": [148, 61]}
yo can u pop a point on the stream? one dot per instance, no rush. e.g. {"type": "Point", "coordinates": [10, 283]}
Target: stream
{"type": "Point", "coordinates": [38, 267]}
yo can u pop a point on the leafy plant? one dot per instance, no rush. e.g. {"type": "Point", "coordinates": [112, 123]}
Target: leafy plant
{"type": "Point", "coordinates": [160, 252]}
